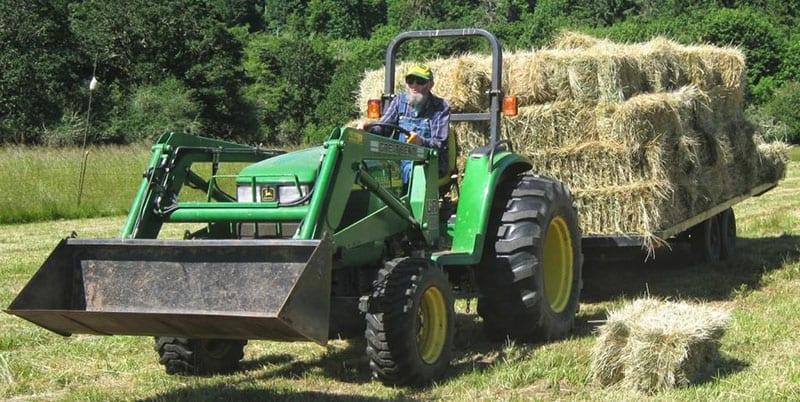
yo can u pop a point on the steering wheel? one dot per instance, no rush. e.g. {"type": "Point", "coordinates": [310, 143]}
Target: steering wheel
{"type": "Point", "coordinates": [395, 128]}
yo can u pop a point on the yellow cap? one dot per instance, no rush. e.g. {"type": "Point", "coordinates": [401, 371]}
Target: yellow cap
{"type": "Point", "coordinates": [421, 71]}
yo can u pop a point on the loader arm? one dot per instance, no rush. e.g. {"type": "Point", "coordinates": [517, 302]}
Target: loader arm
{"type": "Point", "coordinates": [167, 171]}
{"type": "Point", "coordinates": [342, 167]}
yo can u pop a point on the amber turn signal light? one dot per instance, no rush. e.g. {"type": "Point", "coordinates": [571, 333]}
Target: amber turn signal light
{"type": "Point", "coordinates": [374, 109]}
{"type": "Point", "coordinates": [510, 107]}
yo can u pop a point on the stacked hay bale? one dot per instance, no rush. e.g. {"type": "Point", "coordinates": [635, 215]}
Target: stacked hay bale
{"type": "Point", "coordinates": [651, 345]}
{"type": "Point", "coordinates": [646, 135]}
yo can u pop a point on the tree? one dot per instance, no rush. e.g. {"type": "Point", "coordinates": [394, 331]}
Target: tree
{"type": "Point", "coordinates": [39, 68]}
{"type": "Point", "coordinates": [140, 42]}
{"type": "Point", "coordinates": [287, 78]}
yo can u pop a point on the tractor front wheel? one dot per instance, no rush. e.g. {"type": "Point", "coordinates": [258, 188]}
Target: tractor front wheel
{"type": "Point", "coordinates": [199, 356]}
{"type": "Point", "coordinates": [530, 273]}
{"type": "Point", "coordinates": [410, 322]}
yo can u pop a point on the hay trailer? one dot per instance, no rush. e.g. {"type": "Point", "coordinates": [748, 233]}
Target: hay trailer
{"type": "Point", "coordinates": [711, 234]}
{"type": "Point", "coordinates": [323, 243]}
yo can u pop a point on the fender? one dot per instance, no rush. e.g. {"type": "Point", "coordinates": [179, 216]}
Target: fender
{"type": "Point", "coordinates": [475, 204]}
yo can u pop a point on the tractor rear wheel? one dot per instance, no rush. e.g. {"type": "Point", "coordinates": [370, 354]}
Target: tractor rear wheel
{"type": "Point", "coordinates": [410, 322]}
{"type": "Point", "coordinates": [199, 356]}
{"type": "Point", "coordinates": [530, 273]}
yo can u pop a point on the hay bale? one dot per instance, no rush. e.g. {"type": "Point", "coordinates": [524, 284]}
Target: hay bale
{"type": "Point", "coordinates": [575, 40]}
{"type": "Point", "coordinates": [646, 135]}
{"type": "Point", "coordinates": [651, 345]}
{"type": "Point", "coordinates": [578, 68]}
{"type": "Point", "coordinates": [461, 80]}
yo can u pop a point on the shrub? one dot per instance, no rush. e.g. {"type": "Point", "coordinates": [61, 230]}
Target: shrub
{"type": "Point", "coordinates": [753, 31]}
{"type": "Point", "coordinates": [785, 108]}
{"type": "Point", "coordinates": [790, 69]}
{"type": "Point", "coordinates": [155, 109]}
{"type": "Point", "coordinates": [288, 76]}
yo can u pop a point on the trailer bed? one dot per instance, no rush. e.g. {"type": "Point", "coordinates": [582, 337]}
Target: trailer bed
{"type": "Point", "coordinates": [594, 242]}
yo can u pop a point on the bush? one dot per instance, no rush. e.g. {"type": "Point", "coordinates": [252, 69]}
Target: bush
{"type": "Point", "coordinates": [764, 90]}
{"type": "Point", "coordinates": [156, 109]}
{"type": "Point", "coordinates": [770, 128]}
{"type": "Point", "coordinates": [785, 108]}
{"type": "Point", "coordinates": [288, 76]}
{"type": "Point", "coordinates": [790, 69]}
{"type": "Point", "coordinates": [753, 31]}
{"type": "Point", "coordinates": [138, 43]}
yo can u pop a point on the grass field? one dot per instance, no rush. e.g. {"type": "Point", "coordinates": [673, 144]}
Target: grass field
{"type": "Point", "coordinates": [761, 351]}
{"type": "Point", "coordinates": [41, 183]}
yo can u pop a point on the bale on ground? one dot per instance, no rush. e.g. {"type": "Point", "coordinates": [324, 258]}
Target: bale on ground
{"type": "Point", "coordinates": [651, 345]}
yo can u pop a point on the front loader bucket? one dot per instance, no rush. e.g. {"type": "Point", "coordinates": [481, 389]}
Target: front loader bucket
{"type": "Point", "coordinates": [239, 289]}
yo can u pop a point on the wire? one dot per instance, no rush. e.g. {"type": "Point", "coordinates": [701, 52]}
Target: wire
{"type": "Point", "coordinates": [86, 135]}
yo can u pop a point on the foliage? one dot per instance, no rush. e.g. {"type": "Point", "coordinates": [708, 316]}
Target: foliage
{"type": "Point", "coordinates": [790, 70]}
{"type": "Point", "coordinates": [785, 108]}
{"type": "Point", "coordinates": [287, 77]}
{"type": "Point", "coordinates": [750, 29]}
{"type": "Point", "coordinates": [156, 109]}
{"type": "Point", "coordinates": [140, 42]}
{"type": "Point", "coordinates": [38, 68]}
{"type": "Point", "coordinates": [276, 71]}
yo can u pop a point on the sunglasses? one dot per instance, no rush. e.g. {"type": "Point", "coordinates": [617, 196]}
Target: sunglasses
{"type": "Point", "coordinates": [416, 80]}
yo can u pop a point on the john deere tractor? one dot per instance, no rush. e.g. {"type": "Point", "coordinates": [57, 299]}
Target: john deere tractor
{"type": "Point", "coordinates": [326, 242]}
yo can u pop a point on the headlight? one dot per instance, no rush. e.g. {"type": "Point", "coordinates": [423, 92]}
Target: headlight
{"type": "Point", "coordinates": [286, 194]}
{"type": "Point", "coordinates": [244, 193]}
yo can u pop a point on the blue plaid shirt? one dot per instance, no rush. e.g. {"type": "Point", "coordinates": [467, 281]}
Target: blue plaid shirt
{"type": "Point", "coordinates": [431, 123]}
{"type": "Point", "coordinates": [436, 110]}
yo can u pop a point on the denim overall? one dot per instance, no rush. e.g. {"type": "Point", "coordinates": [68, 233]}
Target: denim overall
{"type": "Point", "coordinates": [409, 119]}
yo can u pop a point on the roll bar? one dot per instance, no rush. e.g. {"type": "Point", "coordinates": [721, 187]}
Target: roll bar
{"type": "Point", "coordinates": [495, 93]}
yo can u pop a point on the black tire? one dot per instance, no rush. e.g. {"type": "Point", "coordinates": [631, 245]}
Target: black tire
{"type": "Point", "coordinates": [184, 356]}
{"type": "Point", "coordinates": [705, 239]}
{"type": "Point", "coordinates": [727, 227]}
{"type": "Point", "coordinates": [514, 301]}
{"type": "Point", "coordinates": [408, 294]}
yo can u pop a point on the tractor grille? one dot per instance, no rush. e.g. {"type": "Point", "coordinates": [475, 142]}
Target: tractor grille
{"type": "Point", "coordinates": [267, 230]}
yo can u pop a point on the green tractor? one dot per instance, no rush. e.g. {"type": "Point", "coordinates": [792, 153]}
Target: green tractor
{"type": "Point", "coordinates": [324, 243]}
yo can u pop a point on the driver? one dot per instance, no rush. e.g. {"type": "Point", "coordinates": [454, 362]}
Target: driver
{"type": "Point", "coordinates": [425, 115]}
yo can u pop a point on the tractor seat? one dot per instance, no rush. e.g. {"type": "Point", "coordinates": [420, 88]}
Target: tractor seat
{"type": "Point", "coordinates": [452, 153]}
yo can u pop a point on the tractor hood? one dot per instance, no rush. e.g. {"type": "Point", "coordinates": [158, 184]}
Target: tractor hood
{"type": "Point", "coordinates": [302, 164]}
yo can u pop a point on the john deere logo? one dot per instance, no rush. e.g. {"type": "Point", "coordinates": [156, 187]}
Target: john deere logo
{"type": "Point", "coordinates": [267, 194]}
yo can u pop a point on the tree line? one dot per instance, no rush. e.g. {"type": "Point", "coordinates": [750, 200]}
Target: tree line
{"type": "Point", "coordinates": [284, 72]}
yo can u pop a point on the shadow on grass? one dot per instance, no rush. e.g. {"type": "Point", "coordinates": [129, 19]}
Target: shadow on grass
{"type": "Point", "coordinates": [224, 392]}
{"type": "Point", "coordinates": [673, 274]}
{"type": "Point", "coordinates": [473, 351]}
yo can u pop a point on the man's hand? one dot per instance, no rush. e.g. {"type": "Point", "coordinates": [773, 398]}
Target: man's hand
{"type": "Point", "coordinates": [414, 138]}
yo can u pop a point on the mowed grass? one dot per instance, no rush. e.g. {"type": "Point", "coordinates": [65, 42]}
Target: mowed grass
{"type": "Point", "coordinates": [761, 351]}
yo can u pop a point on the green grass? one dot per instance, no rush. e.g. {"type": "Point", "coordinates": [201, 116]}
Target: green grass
{"type": "Point", "coordinates": [41, 183]}
{"type": "Point", "coordinates": [761, 351]}
{"type": "Point", "coordinates": [794, 153]}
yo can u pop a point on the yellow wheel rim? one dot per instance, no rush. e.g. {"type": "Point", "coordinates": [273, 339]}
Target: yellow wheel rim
{"type": "Point", "coordinates": [557, 264]}
{"type": "Point", "coordinates": [431, 325]}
